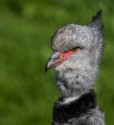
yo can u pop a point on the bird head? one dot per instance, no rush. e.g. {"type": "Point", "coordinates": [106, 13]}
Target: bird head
{"type": "Point", "coordinates": [76, 53]}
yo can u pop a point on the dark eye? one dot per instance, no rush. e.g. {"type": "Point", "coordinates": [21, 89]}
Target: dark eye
{"type": "Point", "coordinates": [76, 49]}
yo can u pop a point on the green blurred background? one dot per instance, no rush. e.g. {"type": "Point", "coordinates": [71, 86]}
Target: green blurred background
{"type": "Point", "coordinates": [27, 94]}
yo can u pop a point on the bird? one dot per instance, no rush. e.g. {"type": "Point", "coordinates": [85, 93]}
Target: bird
{"type": "Point", "coordinates": [77, 53]}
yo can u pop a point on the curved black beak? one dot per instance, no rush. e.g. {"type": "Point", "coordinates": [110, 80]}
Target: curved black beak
{"type": "Point", "coordinates": [53, 61]}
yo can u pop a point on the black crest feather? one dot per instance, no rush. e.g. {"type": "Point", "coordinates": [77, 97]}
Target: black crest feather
{"type": "Point", "coordinates": [97, 17]}
{"type": "Point", "coordinates": [96, 20]}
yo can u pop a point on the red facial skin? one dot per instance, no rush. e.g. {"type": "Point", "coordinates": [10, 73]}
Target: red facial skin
{"type": "Point", "coordinates": [67, 54]}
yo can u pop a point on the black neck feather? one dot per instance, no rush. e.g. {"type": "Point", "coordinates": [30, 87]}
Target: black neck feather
{"type": "Point", "coordinates": [64, 112]}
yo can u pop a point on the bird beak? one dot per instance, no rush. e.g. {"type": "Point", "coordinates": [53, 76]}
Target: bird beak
{"type": "Point", "coordinates": [53, 61]}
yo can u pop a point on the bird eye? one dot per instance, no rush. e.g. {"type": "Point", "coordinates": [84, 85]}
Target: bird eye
{"type": "Point", "coordinates": [76, 49]}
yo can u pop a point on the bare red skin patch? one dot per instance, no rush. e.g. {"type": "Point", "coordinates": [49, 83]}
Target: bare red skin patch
{"type": "Point", "coordinates": [67, 54]}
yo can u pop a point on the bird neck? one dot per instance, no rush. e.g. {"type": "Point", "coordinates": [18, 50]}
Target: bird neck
{"type": "Point", "coordinates": [72, 84]}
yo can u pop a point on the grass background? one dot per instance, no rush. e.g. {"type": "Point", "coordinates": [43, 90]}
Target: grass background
{"type": "Point", "coordinates": [27, 94]}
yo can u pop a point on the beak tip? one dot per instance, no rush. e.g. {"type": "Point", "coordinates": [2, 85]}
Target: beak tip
{"type": "Point", "coordinates": [46, 69]}
{"type": "Point", "coordinates": [47, 66]}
